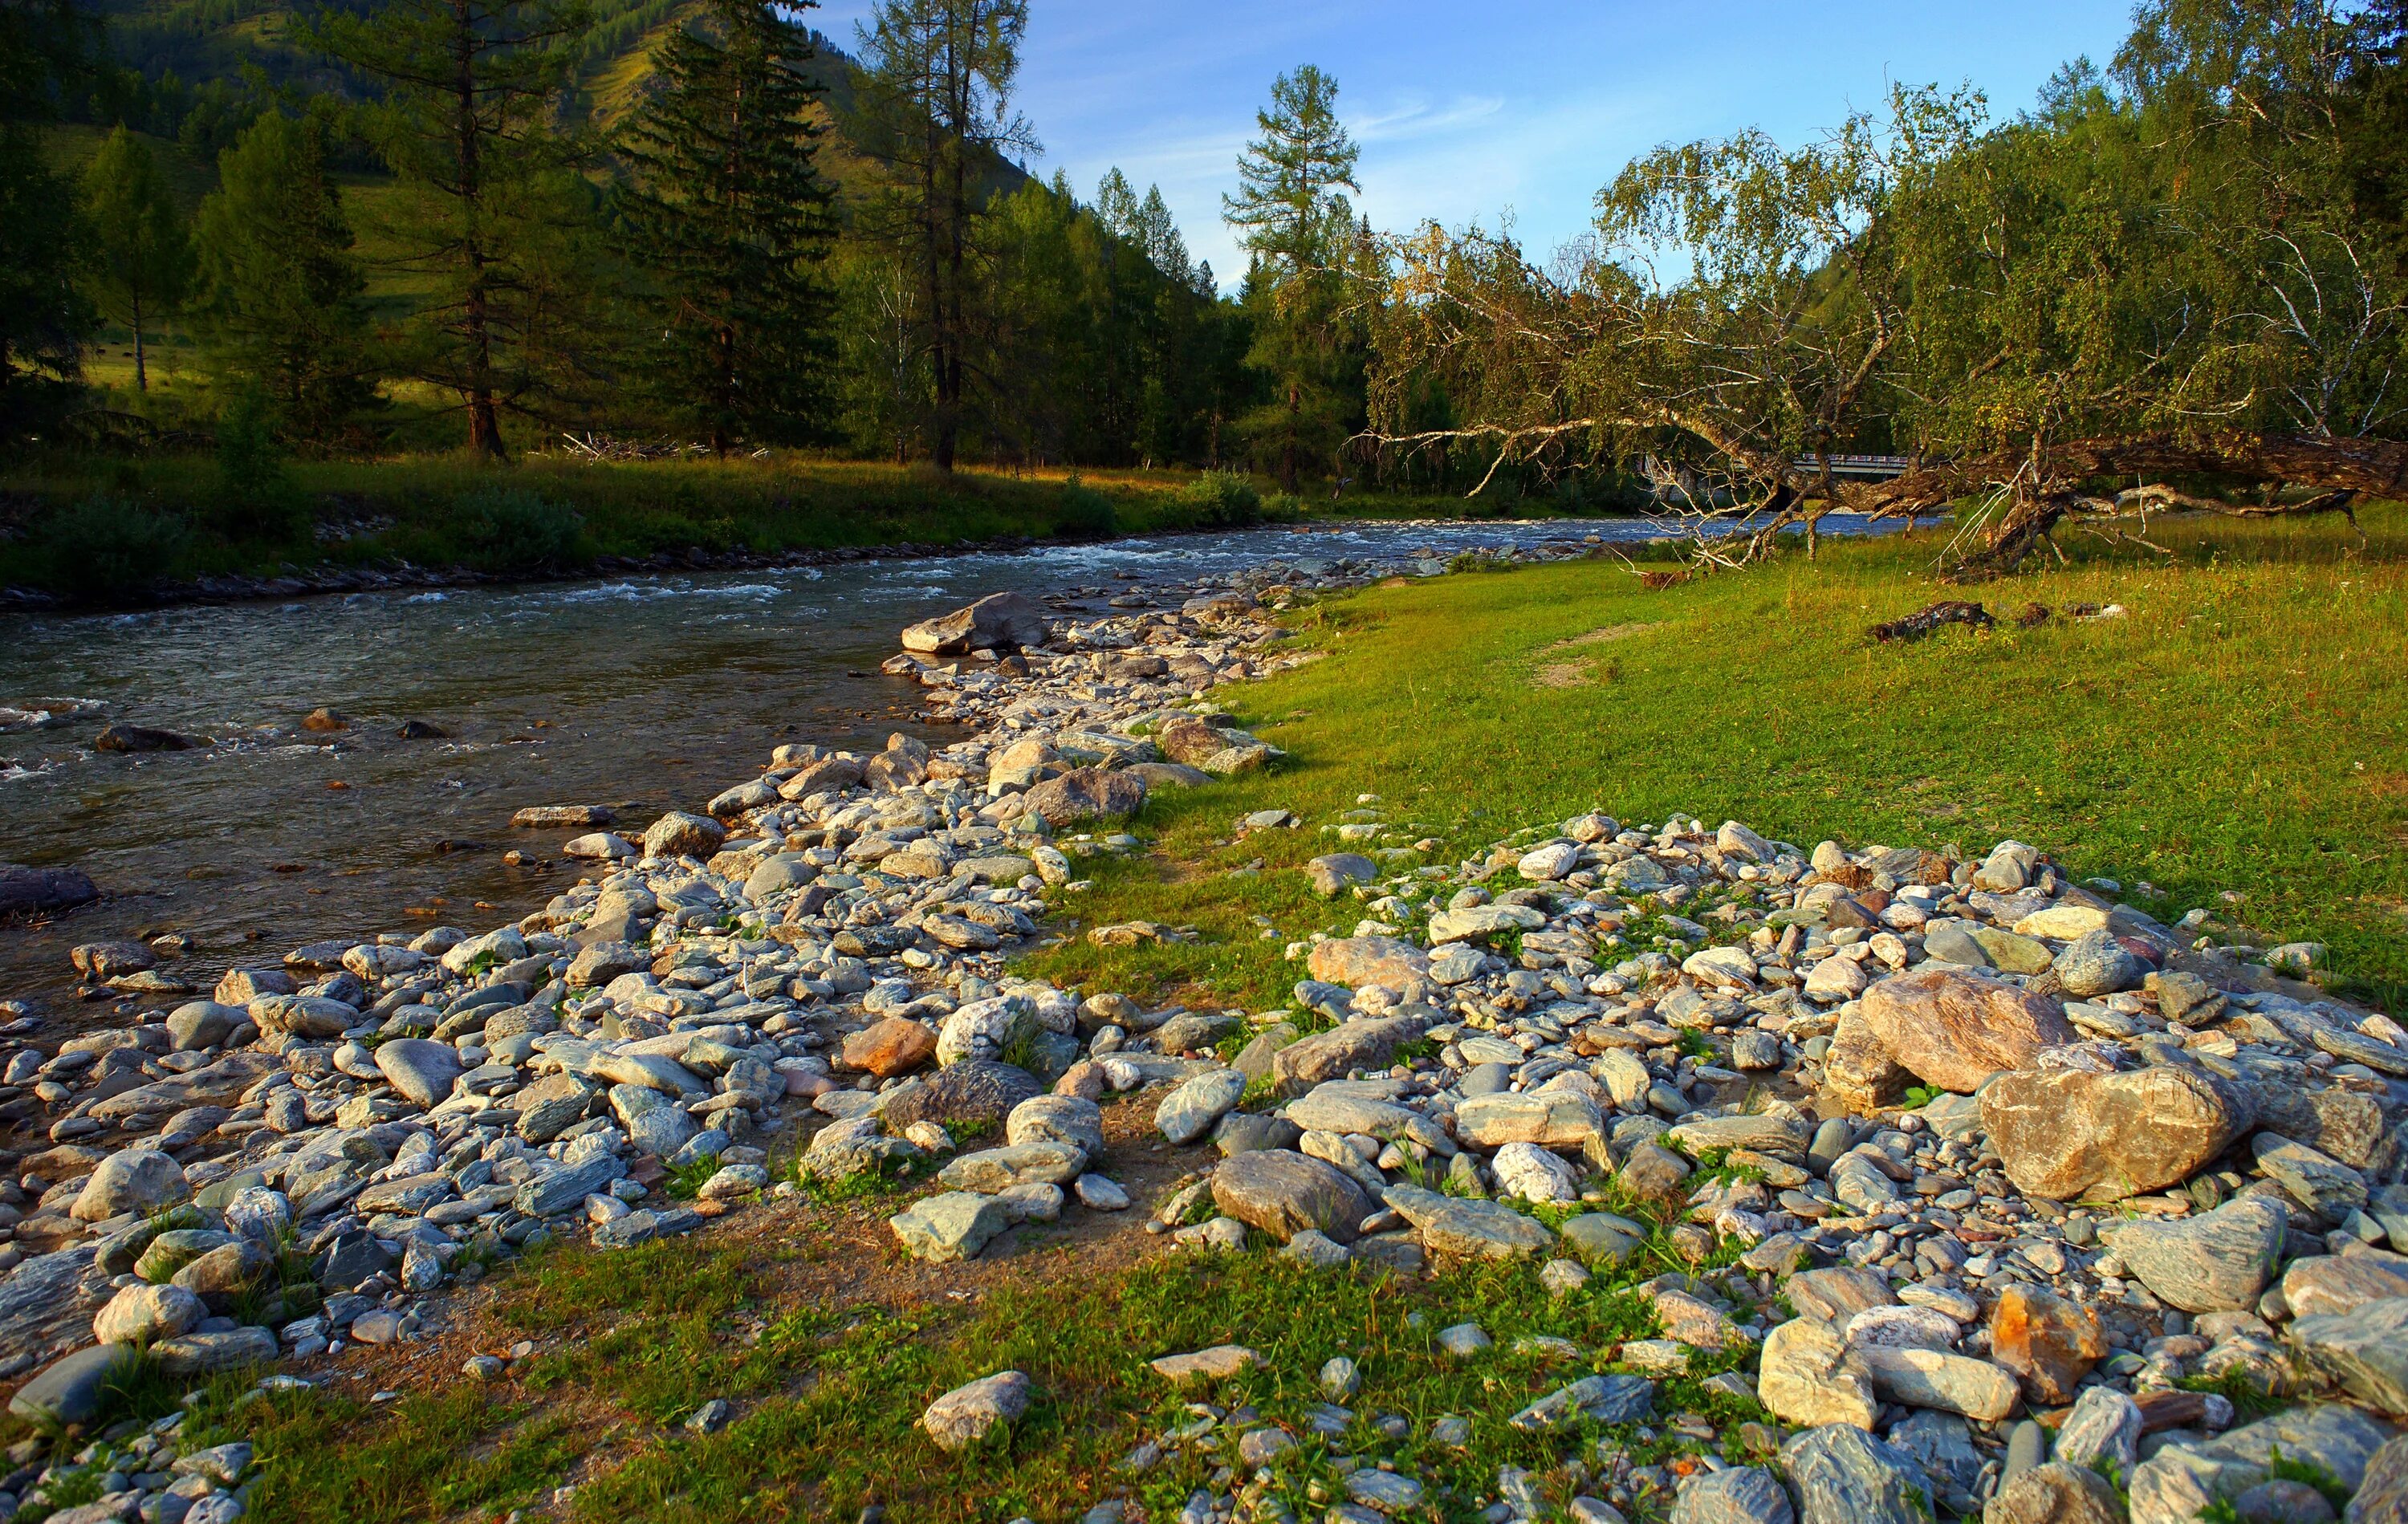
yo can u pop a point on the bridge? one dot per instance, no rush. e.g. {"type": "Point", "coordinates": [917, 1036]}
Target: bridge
{"type": "Point", "coordinates": [1868, 467]}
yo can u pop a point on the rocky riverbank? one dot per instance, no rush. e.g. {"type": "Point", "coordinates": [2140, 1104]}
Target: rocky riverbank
{"type": "Point", "coordinates": [1993, 1192]}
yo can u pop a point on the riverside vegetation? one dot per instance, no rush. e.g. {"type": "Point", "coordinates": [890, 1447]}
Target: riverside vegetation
{"type": "Point", "coordinates": [1397, 1105]}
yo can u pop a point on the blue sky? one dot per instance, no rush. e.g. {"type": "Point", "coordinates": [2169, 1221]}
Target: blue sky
{"type": "Point", "coordinates": [1496, 107]}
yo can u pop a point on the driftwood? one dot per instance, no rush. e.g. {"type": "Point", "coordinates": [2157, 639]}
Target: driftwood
{"type": "Point", "coordinates": [1923, 620]}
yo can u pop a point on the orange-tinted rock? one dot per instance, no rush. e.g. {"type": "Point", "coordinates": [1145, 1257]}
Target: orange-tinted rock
{"type": "Point", "coordinates": [2048, 1341]}
{"type": "Point", "coordinates": [1358, 961]}
{"type": "Point", "coordinates": [1956, 1030]}
{"type": "Point", "coordinates": [2063, 1134]}
{"type": "Point", "coordinates": [895, 1046]}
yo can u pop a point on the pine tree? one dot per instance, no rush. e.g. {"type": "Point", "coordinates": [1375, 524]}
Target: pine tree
{"type": "Point", "coordinates": [142, 260]}
{"type": "Point", "coordinates": [279, 308]}
{"type": "Point", "coordinates": [44, 316]}
{"type": "Point", "coordinates": [1299, 232]}
{"type": "Point", "coordinates": [728, 214]}
{"type": "Point", "coordinates": [470, 91]}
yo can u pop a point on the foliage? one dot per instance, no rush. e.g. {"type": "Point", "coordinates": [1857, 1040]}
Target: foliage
{"type": "Point", "coordinates": [108, 544]}
{"type": "Point", "coordinates": [728, 215]}
{"type": "Point", "coordinates": [45, 46]}
{"type": "Point", "coordinates": [510, 529]}
{"type": "Point", "coordinates": [254, 498]}
{"type": "Point", "coordinates": [1085, 513]}
{"type": "Point", "coordinates": [281, 313]}
{"type": "Point", "coordinates": [1223, 499]}
{"type": "Point", "coordinates": [142, 260]}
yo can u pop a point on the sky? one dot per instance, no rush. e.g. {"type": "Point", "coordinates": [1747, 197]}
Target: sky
{"type": "Point", "coordinates": [1493, 109]}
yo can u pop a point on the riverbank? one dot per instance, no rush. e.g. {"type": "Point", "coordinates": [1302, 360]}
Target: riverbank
{"type": "Point", "coordinates": [167, 529]}
{"type": "Point", "coordinates": [1624, 1045]}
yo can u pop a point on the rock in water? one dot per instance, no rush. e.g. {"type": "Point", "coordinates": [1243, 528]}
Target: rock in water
{"type": "Point", "coordinates": [967, 1415]}
{"type": "Point", "coordinates": [1956, 1030]}
{"type": "Point", "coordinates": [2212, 1262]}
{"type": "Point", "coordinates": [998, 621]}
{"type": "Point", "coordinates": [26, 890]}
{"type": "Point", "coordinates": [2067, 1133]}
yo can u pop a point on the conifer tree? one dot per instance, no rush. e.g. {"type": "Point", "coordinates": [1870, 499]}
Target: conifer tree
{"type": "Point", "coordinates": [142, 260]}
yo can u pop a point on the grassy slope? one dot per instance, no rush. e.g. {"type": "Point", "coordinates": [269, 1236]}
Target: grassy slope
{"type": "Point", "coordinates": [2243, 729]}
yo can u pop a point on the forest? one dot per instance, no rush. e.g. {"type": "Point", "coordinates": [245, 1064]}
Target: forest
{"type": "Point", "coordinates": [477, 229]}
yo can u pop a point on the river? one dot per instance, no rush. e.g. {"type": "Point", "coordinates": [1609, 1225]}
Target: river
{"type": "Point", "coordinates": [643, 694]}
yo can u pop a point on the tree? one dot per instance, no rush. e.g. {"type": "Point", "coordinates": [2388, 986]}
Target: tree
{"type": "Point", "coordinates": [728, 214]}
{"type": "Point", "coordinates": [44, 315]}
{"type": "Point", "coordinates": [280, 308]}
{"type": "Point", "coordinates": [470, 91]}
{"type": "Point", "coordinates": [142, 260]}
{"type": "Point", "coordinates": [935, 112]}
{"type": "Point", "coordinates": [1301, 232]}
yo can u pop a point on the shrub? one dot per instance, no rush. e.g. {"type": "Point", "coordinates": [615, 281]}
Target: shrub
{"type": "Point", "coordinates": [252, 499]}
{"type": "Point", "coordinates": [1222, 499]}
{"type": "Point", "coordinates": [1084, 513]}
{"type": "Point", "coordinates": [108, 544]}
{"type": "Point", "coordinates": [509, 528]}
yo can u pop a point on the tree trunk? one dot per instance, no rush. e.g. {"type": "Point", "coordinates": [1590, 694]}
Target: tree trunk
{"type": "Point", "coordinates": [484, 419]}
{"type": "Point", "coordinates": [141, 377]}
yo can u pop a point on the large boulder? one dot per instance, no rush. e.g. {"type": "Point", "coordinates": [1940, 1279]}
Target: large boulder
{"type": "Point", "coordinates": [1956, 1030]}
{"type": "Point", "coordinates": [133, 1180]}
{"type": "Point", "coordinates": [973, 1091]}
{"type": "Point", "coordinates": [2068, 1132]}
{"type": "Point", "coordinates": [1087, 793]}
{"type": "Point", "coordinates": [1808, 1376]}
{"type": "Point", "coordinates": [2216, 1261]}
{"type": "Point", "coordinates": [24, 892]}
{"type": "Point", "coordinates": [998, 621]}
{"type": "Point", "coordinates": [2178, 1484]}
{"type": "Point", "coordinates": [1550, 1118]}
{"type": "Point", "coordinates": [1283, 1193]}
{"type": "Point", "coordinates": [1455, 1229]}
{"type": "Point", "coordinates": [2365, 1349]}
{"type": "Point", "coordinates": [1335, 1054]}
{"type": "Point", "coordinates": [1358, 961]}
{"type": "Point", "coordinates": [965, 1416]}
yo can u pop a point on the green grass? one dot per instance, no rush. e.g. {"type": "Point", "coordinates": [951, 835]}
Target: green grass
{"type": "Point", "coordinates": [2242, 728]}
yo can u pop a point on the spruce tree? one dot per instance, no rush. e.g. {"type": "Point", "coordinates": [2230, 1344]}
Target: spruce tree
{"type": "Point", "coordinates": [728, 215]}
{"type": "Point", "coordinates": [45, 46]}
{"type": "Point", "coordinates": [142, 260]}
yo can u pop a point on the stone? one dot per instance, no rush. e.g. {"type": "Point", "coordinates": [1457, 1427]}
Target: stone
{"type": "Point", "coordinates": [2327, 1188]}
{"type": "Point", "coordinates": [1599, 1399]}
{"type": "Point", "coordinates": [1385, 1492]}
{"type": "Point", "coordinates": [1358, 960]}
{"type": "Point", "coordinates": [1550, 1118]}
{"type": "Point", "coordinates": [2008, 951]}
{"type": "Point", "coordinates": [2055, 1493]}
{"type": "Point", "coordinates": [1284, 1193]}
{"type": "Point", "coordinates": [998, 621]}
{"type": "Point", "coordinates": [2067, 1133]}
{"type": "Point", "coordinates": [1808, 1376]}
{"type": "Point", "coordinates": [310, 1016]}
{"type": "Point", "coordinates": [2383, 1496]}
{"type": "Point", "coordinates": [131, 1180]}
{"type": "Point", "coordinates": [973, 1090]}
{"type": "Point", "coordinates": [124, 738]}
{"type": "Point", "coordinates": [1783, 1137]}
{"type": "Point", "coordinates": [198, 1024]}
{"type": "Point", "coordinates": [2104, 1424]}
{"type": "Point", "coordinates": [953, 1226]}
{"type": "Point", "coordinates": [2218, 1260]}
{"type": "Point", "coordinates": [1450, 1228]}
{"type": "Point", "coordinates": [1857, 1068]}
{"type": "Point", "coordinates": [141, 1314]}
{"type": "Point", "coordinates": [2326, 1283]}
{"type": "Point", "coordinates": [968, 1415]}
{"type": "Point", "coordinates": [1240, 1131]}
{"type": "Point", "coordinates": [1529, 1172]}
{"type": "Point", "coordinates": [70, 1390]}
{"type": "Point", "coordinates": [1087, 793]}
{"type": "Point", "coordinates": [2048, 1341]}
{"type": "Point", "coordinates": [896, 1045]}
{"type": "Point", "coordinates": [1334, 872]}
{"type": "Point", "coordinates": [1549, 862]}
{"type": "Point", "coordinates": [1068, 1120]}
{"type": "Point", "coordinates": [990, 1171]}
{"type": "Point", "coordinates": [1844, 1475]}
{"type": "Point", "coordinates": [1365, 1044]}
{"type": "Point", "coordinates": [25, 892]}
{"type": "Point", "coordinates": [1189, 1112]}
{"type": "Point", "coordinates": [200, 1354]}
{"type": "Point", "coordinates": [2365, 1349]}
{"type": "Point", "coordinates": [2181, 1480]}
{"type": "Point", "coordinates": [1480, 921]}
{"type": "Point", "coordinates": [1936, 1378]}
{"type": "Point", "coordinates": [1739, 1495]}
{"type": "Point", "coordinates": [1604, 1240]}
{"type": "Point", "coordinates": [1218, 1364]}
{"type": "Point", "coordinates": [2095, 964]}
{"type": "Point", "coordinates": [679, 834]}
{"type": "Point", "coordinates": [422, 1070]}
{"type": "Point", "coordinates": [1956, 1030]}
{"type": "Point", "coordinates": [988, 1030]}
{"type": "Point", "coordinates": [561, 1188]}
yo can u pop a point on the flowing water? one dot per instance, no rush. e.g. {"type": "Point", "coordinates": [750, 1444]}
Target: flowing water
{"type": "Point", "coordinates": [646, 694]}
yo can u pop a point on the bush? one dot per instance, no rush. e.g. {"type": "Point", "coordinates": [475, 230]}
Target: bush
{"type": "Point", "coordinates": [1222, 499]}
{"type": "Point", "coordinates": [1084, 513]}
{"type": "Point", "coordinates": [509, 528]}
{"type": "Point", "coordinates": [108, 545]}
{"type": "Point", "coordinates": [253, 499]}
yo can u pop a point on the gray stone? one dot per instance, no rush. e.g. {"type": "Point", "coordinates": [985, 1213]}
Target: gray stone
{"type": "Point", "coordinates": [1808, 1376]}
{"type": "Point", "coordinates": [661, 1131]}
{"type": "Point", "coordinates": [131, 1180]}
{"type": "Point", "coordinates": [562, 1189]}
{"type": "Point", "coordinates": [2325, 1186]}
{"type": "Point", "coordinates": [1601, 1399]}
{"type": "Point", "coordinates": [201, 1023]}
{"type": "Point", "coordinates": [1455, 1229]}
{"type": "Point", "coordinates": [1845, 1475]}
{"type": "Point", "coordinates": [993, 1170]}
{"type": "Point", "coordinates": [199, 1354]}
{"type": "Point", "coordinates": [2383, 1496]}
{"type": "Point", "coordinates": [973, 1091]}
{"type": "Point", "coordinates": [2095, 964]}
{"type": "Point", "coordinates": [1071, 1119]}
{"type": "Point", "coordinates": [998, 621]}
{"type": "Point", "coordinates": [1942, 1445]}
{"type": "Point", "coordinates": [2055, 1493]}
{"type": "Point", "coordinates": [1284, 1193]}
{"type": "Point", "coordinates": [2176, 1483]}
{"type": "Point", "coordinates": [1187, 1113]}
{"type": "Point", "coordinates": [422, 1070]}
{"type": "Point", "coordinates": [1367, 1045]}
{"type": "Point", "coordinates": [965, 1416]}
{"type": "Point", "coordinates": [2104, 1424]}
{"type": "Point", "coordinates": [2218, 1260]}
{"type": "Point", "coordinates": [955, 1225]}
{"type": "Point", "coordinates": [1335, 871]}
{"type": "Point", "coordinates": [1741, 1495]}
{"type": "Point", "coordinates": [69, 1390]}
{"type": "Point", "coordinates": [1242, 1131]}
{"type": "Point", "coordinates": [2365, 1349]}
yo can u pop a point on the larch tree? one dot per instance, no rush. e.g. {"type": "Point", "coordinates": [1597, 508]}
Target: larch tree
{"type": "Point", "coordinates": [142, 259]}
